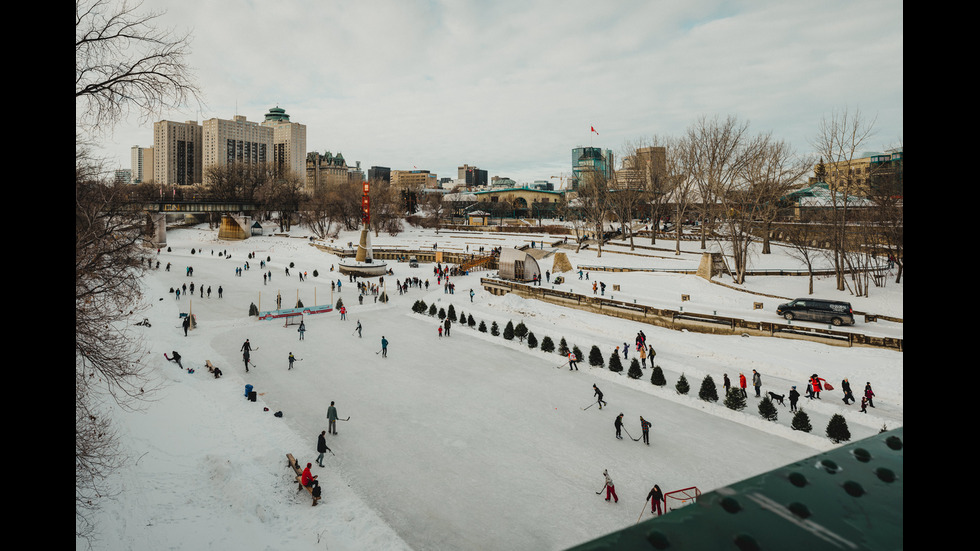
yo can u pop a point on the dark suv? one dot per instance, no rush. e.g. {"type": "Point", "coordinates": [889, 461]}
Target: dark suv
{"type": "Point", "coordinates": [815, 309]}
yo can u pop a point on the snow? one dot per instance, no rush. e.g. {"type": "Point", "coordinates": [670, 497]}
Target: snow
{"type": "Point", "coordinates": [461, 442]}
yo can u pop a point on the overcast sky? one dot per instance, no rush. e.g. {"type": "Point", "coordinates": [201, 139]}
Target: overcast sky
{"type": "Point", "coordinates": [513, 86]}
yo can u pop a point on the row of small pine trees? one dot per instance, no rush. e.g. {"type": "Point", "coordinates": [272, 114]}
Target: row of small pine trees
{"type": "Point", "coordinates": [837, 429]}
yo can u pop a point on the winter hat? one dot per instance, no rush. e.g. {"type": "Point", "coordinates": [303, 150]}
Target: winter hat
{"type": "Point", "coordinates": [604, 471]}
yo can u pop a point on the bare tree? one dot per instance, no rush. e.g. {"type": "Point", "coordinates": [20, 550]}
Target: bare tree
{"type": "Point", "coordinates": [124, 62]}
{"type": "Point", "coordinates": [715, 162]}
{"type": "Point", "coordinates": [677, 185]}
{"type": "Point", "coordinates": [839, 138]}
{"type": "Point", "coordinates": [593, 194]}
{"type": "Point", "coordinates": [386, 208]}
{"type": "Point", "coordinates": [282, 195]}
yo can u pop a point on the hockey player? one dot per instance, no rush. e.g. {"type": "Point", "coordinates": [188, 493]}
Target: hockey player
{"type": "Point", "coordinates": [610, 488]}
{"type": "Point", "coordinates": [619, 426]}
{"type": "Point", "coordinates": [598, 394]}
{"type": "Point", "coordinates": [656, 497]}
{"type": "Point", "coordinates": [645, 426]}
{"type": "Point", "coordinates": [572, 361]}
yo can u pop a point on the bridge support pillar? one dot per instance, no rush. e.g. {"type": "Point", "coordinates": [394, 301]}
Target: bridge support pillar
{"type": "Point", "coordinates": [231, 229]}
{"type": "Point", "coordinates": [158, 229]}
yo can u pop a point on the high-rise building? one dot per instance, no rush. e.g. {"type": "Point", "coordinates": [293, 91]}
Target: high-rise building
{"type": "Point", "coordinates": [288, 142]}
{"type": "Point", "coordinates": [141, 159]}
{"type": "Point", "coordinates": [177, 152]}
{"type": "Point", "coordinates": [472, 176]}
{"type": "Point", "coordinates": [586, 160]}
{"type": "Point", "coordinates": [414, 179]}
{"type": "Point", "coordinates": [235, 141]}
{"type": "Point", "coordinates": [379, 173]}
{"type": "Point", "coordinates": [643, 169]}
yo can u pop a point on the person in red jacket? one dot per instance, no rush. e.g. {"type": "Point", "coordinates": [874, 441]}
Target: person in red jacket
{"type": "Point", "coordinates": [741, 383]}
{"type": "Point", "coordinates": [815, 385]}
{"type": "Point", "coordinates": [308, 478]}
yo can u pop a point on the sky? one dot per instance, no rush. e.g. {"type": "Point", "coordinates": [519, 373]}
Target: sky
{"type": "Point", "coordinates": [512, 86]}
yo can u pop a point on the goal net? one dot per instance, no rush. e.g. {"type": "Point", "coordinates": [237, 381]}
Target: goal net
{"type": "Point", "coordinates": [293, 319]}
{"type": "Point", "coordinates": [679, 498]}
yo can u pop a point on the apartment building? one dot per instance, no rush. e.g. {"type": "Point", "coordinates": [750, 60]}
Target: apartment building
{"type": "Point", "coordinates": [235, 141]}
{"type": "Point", "coordinates": [288, 142]}
{"type": "Point", "coordinates": [177, 150]}
{"type": "Point", "coordinates": [414, 179]}
{"type": "Point", "coordinates": [141, 161]}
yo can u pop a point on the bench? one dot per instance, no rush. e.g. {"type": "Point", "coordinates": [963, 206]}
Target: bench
{"type": "Point", "coordinates": [299, 477]}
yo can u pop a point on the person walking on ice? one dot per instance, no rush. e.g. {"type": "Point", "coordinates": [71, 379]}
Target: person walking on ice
{"type": "Point", "coordinates": [645, 427]}
{"type": "Point", "coordinates": [321, 447]}
{"type": "Point", "coordinates": [619, 426]}
{"type": "Point", "coordinates": [302, 329]}
{"type": "Point", "coordinates": [610, 487]}
{"type": "Point", "coordinates": [358, 328]}
{"type": "Point", "coordinates": [291, 360]}
{"type": "Point", "coordinates": [384, 347]}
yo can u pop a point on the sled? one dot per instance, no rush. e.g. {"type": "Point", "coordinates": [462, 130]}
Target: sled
{"type": "Point", "coordinates": [828, 386]}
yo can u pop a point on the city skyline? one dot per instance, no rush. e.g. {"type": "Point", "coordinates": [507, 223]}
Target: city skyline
{"type": "Point", "coordinates": [513, 87]}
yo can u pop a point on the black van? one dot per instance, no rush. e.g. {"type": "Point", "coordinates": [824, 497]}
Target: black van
{"type": "Point", "coordinates": [815, 309]}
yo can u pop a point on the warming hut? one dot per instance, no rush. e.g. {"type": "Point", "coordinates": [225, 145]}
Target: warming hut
{"type": "Point", "coordinates": [517, 265]}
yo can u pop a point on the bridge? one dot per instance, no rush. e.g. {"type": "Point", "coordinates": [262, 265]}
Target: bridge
{"type": "Point", "coordinates": [232, 226]}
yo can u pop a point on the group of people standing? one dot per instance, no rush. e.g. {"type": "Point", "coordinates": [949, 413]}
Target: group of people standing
{"type": "Point", "coordinates": [816, 384]}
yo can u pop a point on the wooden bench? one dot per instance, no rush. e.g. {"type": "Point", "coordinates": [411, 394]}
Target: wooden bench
{"type": "Point", "coordinates": [299, 477]}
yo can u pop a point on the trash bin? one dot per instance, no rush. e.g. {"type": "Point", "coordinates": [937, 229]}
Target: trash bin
{"type": "Point", "coordinates": [248, 390]}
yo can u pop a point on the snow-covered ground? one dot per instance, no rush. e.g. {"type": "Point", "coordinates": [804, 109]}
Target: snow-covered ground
{"type": "Point", "coordinates": [462, 442]}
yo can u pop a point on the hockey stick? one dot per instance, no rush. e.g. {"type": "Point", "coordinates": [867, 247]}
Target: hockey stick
{"type": "Point", "coordinates": [348, 419]}
{"type": "Point", "coordinates": [590, 405]}
{"type": "Point", "coordinates": [630, 435]}
{"type": "Point", "coordinates": [600, 491]}
{"type": "Point", "coordinates": [641, 512]}
{"type": "Point", "coordinates": [559, 366]}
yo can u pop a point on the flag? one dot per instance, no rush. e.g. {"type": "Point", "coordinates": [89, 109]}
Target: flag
{"type": "Point", "coordinates": [594, 130]}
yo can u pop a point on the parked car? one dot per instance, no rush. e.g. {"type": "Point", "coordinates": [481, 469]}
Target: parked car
{"type": "Point", "coordinates": [816, 309]}
{"type": "Point", "coordinates": [413, 262]}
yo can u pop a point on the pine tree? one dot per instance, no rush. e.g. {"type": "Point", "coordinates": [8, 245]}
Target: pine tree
{"type": "Point", "coordinates": [578, 353]}
{"type": "Point", "coordinates": [532, 341]}
{"type": "Point", "coordinates": [442, 313]}
{"type": "Point", "coordinates": [735, 400]}
{"type": "Point", "coordinates": [494, 330]}
{"type": "Point", "coordinates": [837, 429]}
{"type": "Point", "coordinates": [634, 372]}
{"type": "Point", "coordinates": [451, 314]}
{"type": "Point", "coordinates": [470, 321]}
{"type": "Point", "coordinates": [708, 392]}
{"type": "Point", "coordinates": [339, 305]}
{"type": "Point", "coordinates": [432, 310]}
{"type": "Point", "coordinates": [509, 331]}
{"type": "Point", "coordinates": [767, 409]}
{"type": "Point", "coordinates": [462, 318]}
{"type": "Point", "coordinates": [801, 421]}
{"type": "Point", "coordinates": [483, 326]}
{"type": "Point", "coordinates": [682, 386]}
{"type": "Point", "coordinates": [563, 347]}
{"type": "Point", "coordinates": [657, 377]}
{"type": "Point", "coordinates": [614, 363]}
{"type": "Point", "coordinates": [595, 357]}
{"type": "Point", "coordinates": [520, 331]}
{"type": "Point", "coordinates": [547, 345]}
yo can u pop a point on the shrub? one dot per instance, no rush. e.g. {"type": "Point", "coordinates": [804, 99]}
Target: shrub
{"type": "Point", "coordinates": [520, 331]}
{"type": "Point", "coordinates": [563, 347]}
{"type": "Point", "coordinates": [532, 341]}
{"type": "Point", "coordinates": [578, 353]}
{"type": "Point", "coordinates": [442, 313]}
{"type": "Point", "coordinates": [494, 330]}
{"type": "Point", "coordinates": [801, 421]}
{"type": "Point", "coordinates": [657, 377]}
{"type": "Point", "coordinates": [509, 331]}
{"type": "Point", "coordinates": [708, 392]}
{"type": "Point", "coordinates": [432, 310]}
{"type": "Point", "coordinates": [451, 314]}
{"type": "Point", "coordinates": [767, 409]}
{"type": "Point", "coordinates": [547, 345]}
{"type": "Point", "coordinates": [735, 400]}
{"type": "Point", "coordinates": [472, 322]}
{"type": "Point", "coordinates": [682, 386]}
{"type": "Point", "coordinates": [837, 429]}
{"type": "Point", "coordinates": [634, 372]}
{"type": "Point", "coordinates": [483, 326]}
{"type": "Point", "coordinates": [615, 364]}
{"type": "Point", "coordinates": [595, 357]}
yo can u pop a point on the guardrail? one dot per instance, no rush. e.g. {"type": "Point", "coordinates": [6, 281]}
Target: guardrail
{"type": "Point", "coordinates": [677, 320]}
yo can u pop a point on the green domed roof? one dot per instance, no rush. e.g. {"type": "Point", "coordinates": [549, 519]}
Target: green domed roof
{"type": "Point", "coordinates": [277, 114]}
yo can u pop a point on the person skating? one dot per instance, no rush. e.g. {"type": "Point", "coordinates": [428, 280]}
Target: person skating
{"type": "Point", "coordinates": [384, 347]}
{"type": "Point", "coordinates": [245, 357]}
{"type": "Point", "coordinates": [645, 427]}
{"type": "Point", "coordinates": [321, 447]}
{"type": "Point", "coordinates": [619, 426]}
{"type": "Point", "coordinates": [186, 324]}
{"type": "Point", "coordinates": [302, 329]}
{"type": "Point", "coordinates": [358, 328]}
{"type": "Point", "coordinates": [656, 498]}
{"type": "Point", "coordinates": [291, 360]}
{"type": "Point", "coordinates": [572, 361]}
{"type": "Point", "coordinates": [598, 395]}
{"type": "Point", "coordinates": [332, 419]}
{"type": "Point", "coordinates": [610, 487]}
{"type": "Point", "coordinates": [246, 346]}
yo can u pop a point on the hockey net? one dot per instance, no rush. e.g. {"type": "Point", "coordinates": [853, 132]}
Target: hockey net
{"type": "Point", "coordinates": [679, 498]}
{"type": "Point", "coordinates": [293, 319]}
